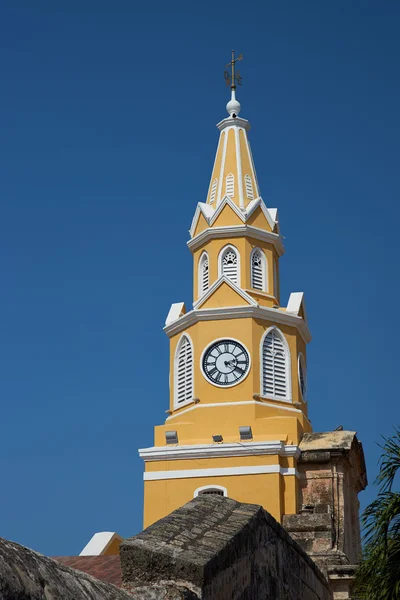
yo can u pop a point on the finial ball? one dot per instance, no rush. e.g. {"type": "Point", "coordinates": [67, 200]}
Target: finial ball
{"type": "Point", "coordinates": [233, 107]}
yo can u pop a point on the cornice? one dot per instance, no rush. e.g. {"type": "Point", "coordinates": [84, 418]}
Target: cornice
{"type": "Point", "coordinates": [218, 451]}
{"type": "Point", "coordinates": [222, 472]}
{"type": "Point", "coordinates": [212, 233]}
{"type": "Point", "coordinates": [239, 312]}
{"type": "Point", "coordinates": [234, 122]}
{"type": "Point", "coordinates": [264, 403]}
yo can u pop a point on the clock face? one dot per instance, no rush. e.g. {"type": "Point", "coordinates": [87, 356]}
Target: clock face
{"type": "Point", "coordinates": [225, 363]}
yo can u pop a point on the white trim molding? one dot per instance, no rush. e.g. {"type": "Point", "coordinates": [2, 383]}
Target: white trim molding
{"type": "Point", "coordinates": [239, 312]}
{"type": "Point", "coordinates": [216, 285]}
{"type": "Point", "coordinates": [295, 303]}
{"type": "Point", "coordinates": [229, 248]}
{"type": "Point", "coordinates": [210, 488]}
{"type": "Point", "coordinates": [221, 472]}
{"type": "Point", "coordinates": [99, 543]}
{"type": "Point", "coordinates": [230, 231]}
{"type": "Point", "coordinates": [210, 214]}
{"type": "Point", "coordinates": [239, 403]}
{"type": "Point", "coordinates": [264, 270]}
{"type": "Point", "coordinates": [234, 122]}
{"type": "Point", "coordinates": [177, 310]}
{"type": "Point", "coordinates": [203, 283]}
{"type": "Point", "coordinates": [225, 450]}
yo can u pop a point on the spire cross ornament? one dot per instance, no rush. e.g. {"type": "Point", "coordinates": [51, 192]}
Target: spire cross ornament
{"type": "Point", "coordinates": [230, 78]}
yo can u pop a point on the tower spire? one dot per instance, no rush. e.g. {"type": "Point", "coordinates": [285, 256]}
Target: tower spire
{"type": "Point", "coordinates": [233, 106]}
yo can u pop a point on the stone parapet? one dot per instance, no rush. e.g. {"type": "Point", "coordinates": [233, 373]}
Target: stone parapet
{"type": "Point", "coordinates": [219, 549]}
{"type": "Point", "coordinates": [332, 470]}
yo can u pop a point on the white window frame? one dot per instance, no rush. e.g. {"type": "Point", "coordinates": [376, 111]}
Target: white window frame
{"type": "Point", "coordinates": [288, 367]}
{"type": "Point", "coordinates": [221, 257]}
{"type": "Point", "coordinates": [264, 267]}
{"type": "Point", "coordinates": [177, 350]}
{"type": "Point", "coordinates": [201, 291]}
{"type": "Point", "coordinates": [204, 488]}
{"type": "Point", "coordinates": [302, 360]}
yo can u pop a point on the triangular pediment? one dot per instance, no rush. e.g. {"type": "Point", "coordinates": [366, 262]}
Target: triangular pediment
{"type": "Point", "coordinates": [258, 219]}
{"type": "Point", "coordinates": [224, 293]}
{"type": "Point", "coordinates": [201, 224]}
{"type": "Point", "coordinates": [227, 217]}
{"type": "Point", "coordinates": [227, 213]}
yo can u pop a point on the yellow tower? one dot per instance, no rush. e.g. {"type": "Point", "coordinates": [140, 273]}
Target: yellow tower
{"type": "Point", "coordinates": [238, 406]}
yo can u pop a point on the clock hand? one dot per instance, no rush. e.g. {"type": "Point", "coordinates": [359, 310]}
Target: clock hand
{"type": "Point", "coordinates": [230, 363]}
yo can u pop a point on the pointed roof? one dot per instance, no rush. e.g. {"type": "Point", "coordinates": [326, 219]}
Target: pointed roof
{"type": "Point", "coordinates": [233, 174]}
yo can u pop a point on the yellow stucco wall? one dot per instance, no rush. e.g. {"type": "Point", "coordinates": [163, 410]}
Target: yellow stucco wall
{"type": "Point", "coordinates": [164, 496]}
{"type": "Point", "coordinates": [244, 246]}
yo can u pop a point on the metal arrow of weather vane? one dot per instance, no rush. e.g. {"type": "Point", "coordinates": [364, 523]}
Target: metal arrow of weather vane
{"type": "Point", "coordinates": [231, 78]}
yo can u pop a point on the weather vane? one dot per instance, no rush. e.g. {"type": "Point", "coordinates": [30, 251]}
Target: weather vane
{"type": "Point", "coordinates": [230, 78]}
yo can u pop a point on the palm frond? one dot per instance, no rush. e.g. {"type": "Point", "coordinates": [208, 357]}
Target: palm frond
{"type": "Point", "coordinates": [390, 461]}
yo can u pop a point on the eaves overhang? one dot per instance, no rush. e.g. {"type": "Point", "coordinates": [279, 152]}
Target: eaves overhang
{"type": "Point", "coordinates": [238, 312]}
{"type": "Point", "coordinates": [212, 233]}
{"type": "Point", "coordinates": [218, 450]}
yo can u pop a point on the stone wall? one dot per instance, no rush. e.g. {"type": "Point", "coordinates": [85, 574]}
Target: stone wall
{"type": "Point", "coordinates": [332, 472]}
{"type": "Point", "coordinates": [28, 575]}
{"type": "Point", "coordinates": [216, 548]}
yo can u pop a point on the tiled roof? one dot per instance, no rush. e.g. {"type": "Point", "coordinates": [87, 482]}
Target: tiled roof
{"type": "Point", "coordinates": [106, 568]}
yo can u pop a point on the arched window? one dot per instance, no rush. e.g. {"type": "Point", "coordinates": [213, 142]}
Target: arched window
{"type": "Point", "coordinates": [230, 185]}
{"type": "Point", "coordinates": [229, 264]}
{"type": "Point", "coordinates": [249, 187]}
{"type": "Point", "coordinates": [213, 190]}
{"type": "Point", "coordinates": [275, 366]}
{"type": "Point", "coordinates": [258, 270]}
{"type": "Point", "coordinates": [203, 274]}
{"type": "Point", "coordinates": [218, 490]}
{"type": "Point", "coordinates": [303, 377]}
{"type": "Point", "coordinates": [183, 371]}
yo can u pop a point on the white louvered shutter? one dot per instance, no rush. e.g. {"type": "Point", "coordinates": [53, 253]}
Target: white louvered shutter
{"type": "Point", "coordinates": [230, 185]}
{"type": "Point", "coordinates": [211, 491]}
{"type": "Point", "coordinates": [204, 276]}
{"type": "Point", "coordinates": [257, 271]}
{"type": "Point", "coordinates": [230, 265]}
{"type": "Point", "coordinates": [184, 372]}
{"type": "Point", "coordinates": [249, 187]}
{"type": "Point", "coordinates": [213, 190]}
{"type": "Point", "coordinates": [275, 371]}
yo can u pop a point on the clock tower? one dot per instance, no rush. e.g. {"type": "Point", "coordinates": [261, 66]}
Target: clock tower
{"type": "Point", "coordinates": [238, 363]}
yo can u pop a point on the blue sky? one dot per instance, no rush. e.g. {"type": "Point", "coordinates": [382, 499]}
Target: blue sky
{"type": "Point", "coordinates": [108, 115]}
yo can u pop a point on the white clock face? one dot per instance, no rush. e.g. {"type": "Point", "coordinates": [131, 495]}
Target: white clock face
{"type": "Point", "coordinates": [225, 362]}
